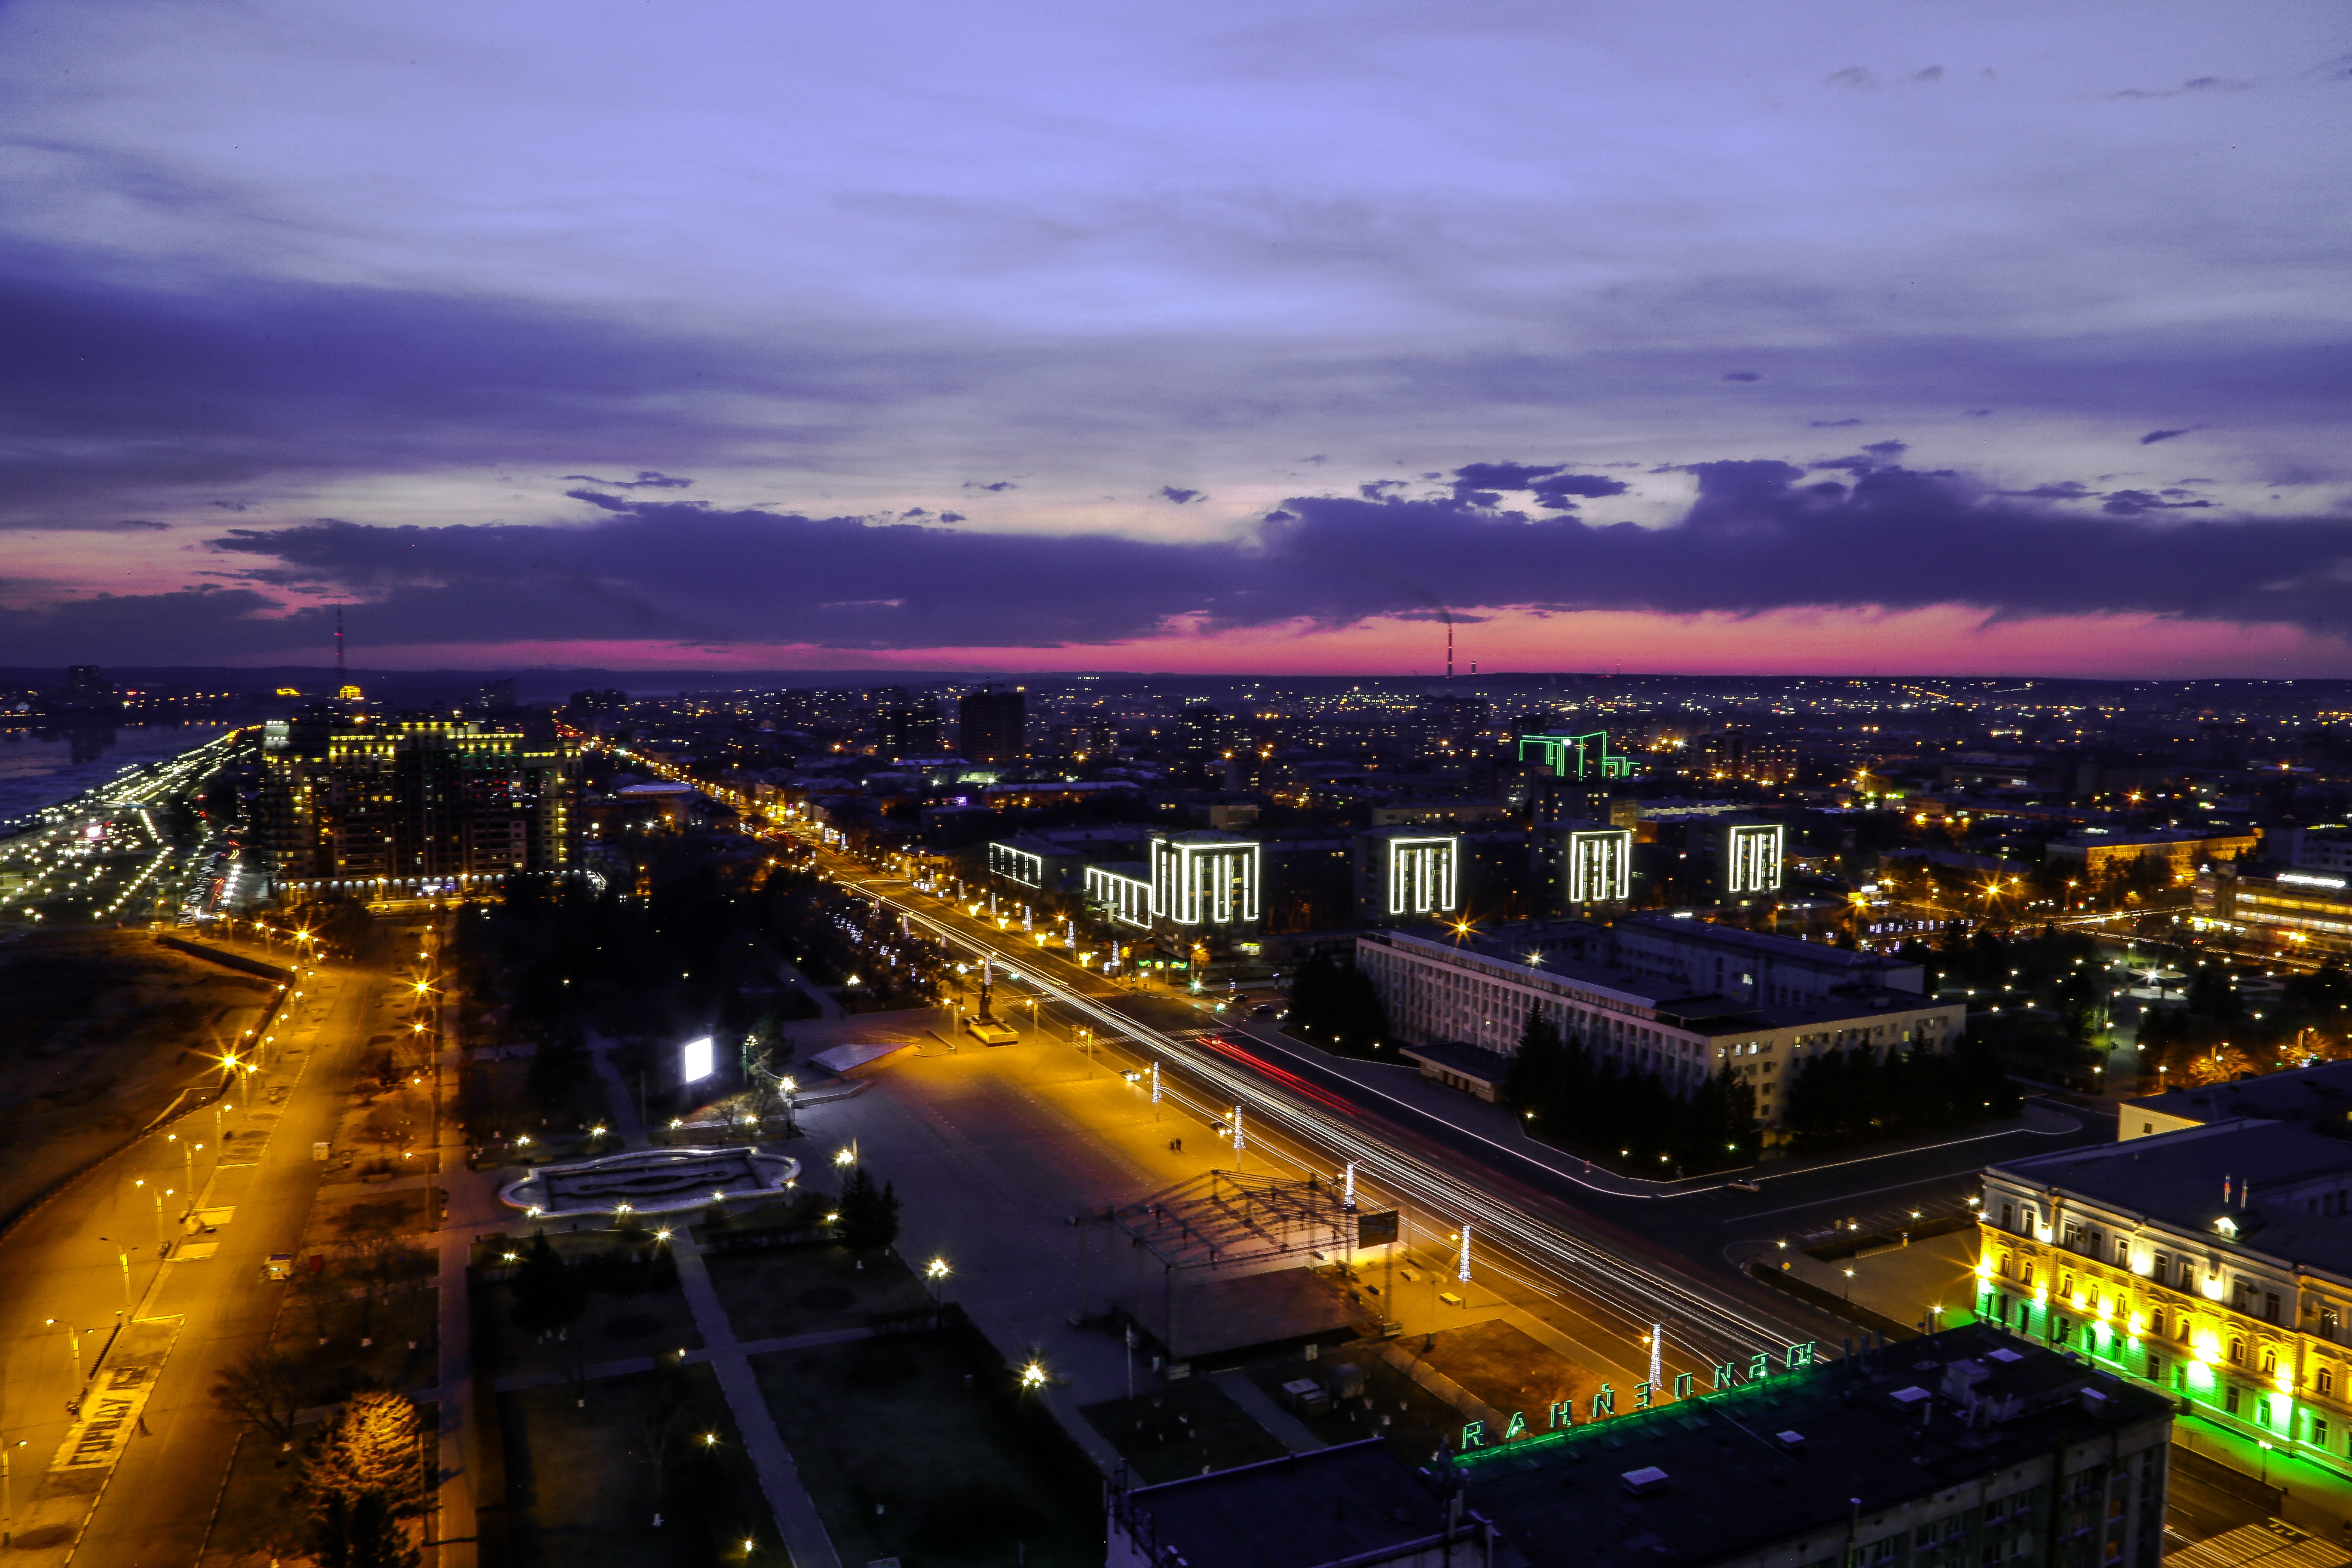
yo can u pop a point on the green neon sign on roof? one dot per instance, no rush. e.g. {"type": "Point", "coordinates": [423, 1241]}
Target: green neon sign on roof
{"type": "Point", "coordinates": [1589, 755]}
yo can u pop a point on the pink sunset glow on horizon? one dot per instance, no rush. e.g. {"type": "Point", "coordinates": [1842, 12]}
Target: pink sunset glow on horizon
{"type": "Point", "coordinates": [1939, 642]}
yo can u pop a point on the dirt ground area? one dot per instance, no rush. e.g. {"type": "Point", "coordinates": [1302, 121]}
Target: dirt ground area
{"type": "Point", "coordinates": [99, 1030]}
{"type": "Point", "coordinates": [1504, 1367]}
{"type": "Point", "coordinates": [1185, 1429]}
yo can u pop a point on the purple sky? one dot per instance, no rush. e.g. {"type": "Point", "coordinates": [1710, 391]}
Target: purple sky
{"type": "Point", "coordinates": [1808, 335]}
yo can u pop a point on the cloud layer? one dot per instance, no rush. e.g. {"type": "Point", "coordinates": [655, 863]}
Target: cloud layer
{"type": "Point", "coordinates": [1760, 536]}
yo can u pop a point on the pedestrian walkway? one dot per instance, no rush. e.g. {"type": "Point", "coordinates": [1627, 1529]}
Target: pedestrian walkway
{"type": "Point", "coordinates": [796, 1516]}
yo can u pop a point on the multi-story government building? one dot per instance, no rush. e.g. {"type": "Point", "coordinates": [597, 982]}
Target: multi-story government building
{"type": "Point", "coordinates": [397, 807]}
{"type": "Point", "coordinates": [1679, 998]}
{"type": "Point", "coordinates": [2212, 1262]}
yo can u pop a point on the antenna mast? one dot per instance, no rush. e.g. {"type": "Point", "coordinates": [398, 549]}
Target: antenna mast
{"type": "Point", "coordinates": [341, 679]}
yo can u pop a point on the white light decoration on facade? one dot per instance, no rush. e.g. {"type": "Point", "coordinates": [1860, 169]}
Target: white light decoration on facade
{"type": "Point", "coordinates": [1600, 865]}
{"type": "Point", "coordinates": [1016, 865]}
{"type": "Point", "coordinates": [1751, 857]}
{"type": "Point", "coordinates": [1125, 899]}
{"type": "Point", "coordinates": [1206, 878]}
{"type": "Point", "coordinates": [1422, 873]}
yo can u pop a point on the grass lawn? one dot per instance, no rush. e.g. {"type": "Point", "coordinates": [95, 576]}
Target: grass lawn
{"type": "Point", "coordinates": [581, 1482]}
{"type": "Point", "coordinates": [785, 1290]}
{"type": "Point", "coordinates": [619, 1320]}
{"type": "Point", "coordinates": [1508, 1368]}
{"type": "Point", "coordinates": [1183, 1430]}
{"type": "Point", "coordinates": [401, 1327]}
{"type": "Point", "coordinates": [916, 1447]}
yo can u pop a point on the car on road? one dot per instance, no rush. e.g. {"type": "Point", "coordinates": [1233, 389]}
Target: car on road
{"type": "Point", "coordinates": [277, 1266]}
{"type": "Point", "coordinates": [1265, 1010]}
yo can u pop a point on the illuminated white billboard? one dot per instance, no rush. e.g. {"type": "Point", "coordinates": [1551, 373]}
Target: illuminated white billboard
{"type": "Point", "coordinates": [694, 1060]}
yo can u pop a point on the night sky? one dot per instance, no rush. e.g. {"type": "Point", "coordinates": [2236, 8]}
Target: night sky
{"type": "Point", "coordinates": [2000, 337]}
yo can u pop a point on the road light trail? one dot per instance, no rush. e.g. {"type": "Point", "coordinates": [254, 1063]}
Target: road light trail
{"type": "Point", "coordinates": [1628, 1292]}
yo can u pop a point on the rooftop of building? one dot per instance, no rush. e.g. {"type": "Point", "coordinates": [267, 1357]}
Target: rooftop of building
{"type": "Point", "coordinates": [1785, 1458]}
{"type": "Point", "coordinates": [2300, 1094]}
{"type": "Point", "coordinates": [1704, 1013]}
{"type": "Point", "coordinates": [1325, 1506]}
{"type": "Point", "coordinates": [2179, 1179]}
{"type": "Point", "coordinates": [1690, 1482]}
{"type": "Point", "coordinates": [1765, 944]}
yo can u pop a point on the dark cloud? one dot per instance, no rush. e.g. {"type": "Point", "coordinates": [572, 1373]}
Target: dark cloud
{"type": "Point", "coordinates": [1760, 536]}
{"type": "Point", "coordinates": [951, 517]}
{"type": "Point", "coordinates": [1833, 423]}
{"type": "Point", "coordinates": [1854, 78]}
{"type": "Point", "coordinates": [646, 479]}
{"type": "Point", "coordinates": [1481, 484]}
{"type": "Point", "coordinates": [1743, 375]}
{"type": "Point", "coordinates": [2153, 437]}
{"type": "Point", "coordinates": [999, 487]}
{"type": "Point", "coordinates": [1979, 413]}
{"type": "Point", "coordinates": [2194, 84]}
{"type": "Point", "coordinates": [119, 393]}
{"type": "Point", "coordinates": [1380, 490]}
{"type": "Point", "coordinates": [1502, 475]}
{"type": "Point", "coordinates": [1888, 449]}
{"type": "Point", "coordinates": [2129, 503]}
{"type": "Point", "coordinates": [1171, 492]}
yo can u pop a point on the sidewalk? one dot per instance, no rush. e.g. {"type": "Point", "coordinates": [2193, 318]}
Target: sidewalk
{"type": "Point", "coordinates": [796, 1517]}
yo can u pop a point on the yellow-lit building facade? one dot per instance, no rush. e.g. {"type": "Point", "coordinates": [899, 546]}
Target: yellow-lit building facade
{"type": "Point", "coordinates": [2213, 1263]}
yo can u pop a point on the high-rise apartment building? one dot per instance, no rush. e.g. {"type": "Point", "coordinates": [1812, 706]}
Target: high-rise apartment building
{"type": "Point", "coordinates": [403, 805]}
{"type": "Point", "coordinates": [906, 727]}
{"type": "Point", "coordinates": [992, 723]}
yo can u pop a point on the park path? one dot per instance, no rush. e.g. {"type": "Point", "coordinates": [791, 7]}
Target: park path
{"type": "Point", "coordinates": [797, 1520]}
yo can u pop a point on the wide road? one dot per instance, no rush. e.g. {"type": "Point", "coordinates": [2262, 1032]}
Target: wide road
{"type": "Point", "coordinates": [1605, 1275]}
{"type": "Point", "coordinates": [148, 1496]}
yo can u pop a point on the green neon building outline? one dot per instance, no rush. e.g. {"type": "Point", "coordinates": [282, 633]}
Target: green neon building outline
{"type": "Point", "coordinates": [1589, 752]}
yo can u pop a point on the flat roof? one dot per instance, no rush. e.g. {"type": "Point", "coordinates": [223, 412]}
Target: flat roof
{"type": "Point", "coordinates": [1325, 1506]}
{"type": "Point", "coordinates": [1454, 1056]}
{"type": "Point", "coordinates": [1731, 1483]}
{"type": "Point", "coordinates": [2175, 1178]}
{"type": "Point", "coordinates": [1704, 1013]}
{"type": "Point", "coordinates": [2296, 1094]}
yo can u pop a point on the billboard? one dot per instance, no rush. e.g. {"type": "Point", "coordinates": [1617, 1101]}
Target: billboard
{"type": "Point", "coordinates": [694, 1060]}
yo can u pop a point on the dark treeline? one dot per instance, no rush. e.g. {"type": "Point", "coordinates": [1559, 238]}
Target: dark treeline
{"type": "Point", "coordinates": [697, 954]}
{"type": "Point", "coordinates": [1333, 1005]}
{"type": "Point", "coordinates": [1859, 1095]}
{"type": "Point", "coordinates": [2215, 1032]}
{"type": "Point", "coordinates": [1579, 1100]}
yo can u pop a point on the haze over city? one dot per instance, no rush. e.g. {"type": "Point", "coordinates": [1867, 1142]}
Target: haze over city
{"type": "Point", "coordinates": [1689, 337]}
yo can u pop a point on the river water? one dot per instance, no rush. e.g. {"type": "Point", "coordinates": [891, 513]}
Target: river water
{"type": "Point", "coordinates": [42, 767]}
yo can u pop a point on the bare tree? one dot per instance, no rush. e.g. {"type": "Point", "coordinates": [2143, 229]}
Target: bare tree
{"type": "Point", "coordinates": [260, 1390]}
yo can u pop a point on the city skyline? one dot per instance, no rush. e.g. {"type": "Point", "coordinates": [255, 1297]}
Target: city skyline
{"type": "Point", "coordinates": [1681, 339]}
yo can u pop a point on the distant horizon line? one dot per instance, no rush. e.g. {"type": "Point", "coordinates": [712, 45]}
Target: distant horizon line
{"type": "Point", "coordinates": [886, 676]}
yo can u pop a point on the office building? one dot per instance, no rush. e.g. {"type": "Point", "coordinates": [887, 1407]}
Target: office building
{"type": "Point", "coordinates": [1748, 858]}
{"type": "Point", "coordinates": [1747, 756]}
{"type": "Point", "coordinates": [1206, 878]}
{"type": "Point", "coordinates": [2212, 1264]}
{"type": "Point", "coordinates": [2316, 1096]}
{"type": "Point", "coordinates": [1585, 758]}
{"type": "Point", "coordinates": [908, 726]}
{"type": "Point", "coordinates": [993, 724]}
{"type": "Point", "coordinates": [2178, 851]}
{"type": "Point", "coordinates": [2300, 910]}
{"type": "Point", "coordinates": [388, 807]}
{"type": "Point", "coordinates": [1478, 988]}
{"type": "Point", "coordinates": [1961, 1449]}
{"type": "Point", "coordinates": [1750, 966]}
{"type": "Point", "coordinates": [1403, 875]}
{"type": "Point", "coordinates": [1120, 892]}
{"type": "Point", "coordinates": [1582, 864]}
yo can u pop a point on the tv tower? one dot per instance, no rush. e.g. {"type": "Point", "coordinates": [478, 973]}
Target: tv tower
{"type": "Point", "coordinates": [341, 680]}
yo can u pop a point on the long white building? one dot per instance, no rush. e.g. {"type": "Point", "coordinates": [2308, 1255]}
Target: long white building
{"type": "Point", "coordinates": [1478, 990]}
